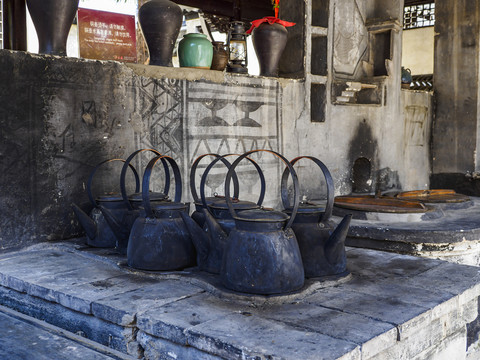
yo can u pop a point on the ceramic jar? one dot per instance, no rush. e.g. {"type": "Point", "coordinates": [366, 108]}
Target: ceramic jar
{"type": "Point", "coordinates": [406, 78]}
{"type": "Point", "coordinates": [53, 20]}
{"type": "Point", "coordinates": [220, 56]}
{"type": "Point", "coordinates": [161, 21]}
{"type": "Point", "coordinates": [269, 41]}
{"type": "Point", "coordinates": [195, 50]}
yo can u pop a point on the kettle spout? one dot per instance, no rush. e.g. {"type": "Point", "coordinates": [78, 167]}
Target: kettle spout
{"type": "Point", "coordinates": [215, 230]}
{"type": "Point", "coordinates": [335, 245]}
{"type": "Point", "coordinates": [218, 242]}
{"type": "Point", "coordinates": [86, 221]}
{"type": "Point", "coordinates": [121, 231]}
{"type": "Point", "coordinates": [199, 238]}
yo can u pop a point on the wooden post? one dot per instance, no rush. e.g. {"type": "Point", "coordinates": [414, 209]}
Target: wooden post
{"type": "Point", "coordinates": [14, 25]}
{"type": "Point", "coordinates": [237, 10]}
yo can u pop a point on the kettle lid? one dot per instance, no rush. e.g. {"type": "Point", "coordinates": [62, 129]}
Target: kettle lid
{"type": "Point", "coordinates": [209, 200]}
{"type": "Point", "coordinates": [307, 208]}
{"type": "Point", "coordinates": [154, 196]}
{"type": "Point", "coordinates": [109, 197]}
{"type": "Point", "coordinates": [263, 215]}
{"type": "Point", "coordinates": [221, 204]}
{"type": "Point", "coordinates": [169, 205]}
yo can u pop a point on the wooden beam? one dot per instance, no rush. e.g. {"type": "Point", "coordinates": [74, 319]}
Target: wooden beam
{"type": "Point", "coordinates": [217, 7]}
{"type": "Point", "coordinates": [417, 2]}
{"type": "Point", "coordinates": [237, 9]}
{"type": "Point", "coordinates": [246, 10]}
{"type": "Point", "coordinates": [14, 25]}
{"type": "Point", "coordinates": [252, 12]}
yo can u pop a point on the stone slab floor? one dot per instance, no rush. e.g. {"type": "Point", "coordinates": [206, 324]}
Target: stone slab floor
{"type": "Point", "coordinates": [389, 307]}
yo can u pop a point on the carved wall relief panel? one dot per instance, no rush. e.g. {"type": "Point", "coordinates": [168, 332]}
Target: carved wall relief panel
{"type": "Point", "coordinates": [350, 39]}
{"type": "Point", "coordinates": [416, 125]}
{"type": "Point", "coordinates": [234, 119]}
{"type": "Point", "coordinates": [159, 117]}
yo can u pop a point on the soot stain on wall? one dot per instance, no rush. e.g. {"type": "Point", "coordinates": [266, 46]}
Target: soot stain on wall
{"type": "Point", "coordinates": [363, 146]}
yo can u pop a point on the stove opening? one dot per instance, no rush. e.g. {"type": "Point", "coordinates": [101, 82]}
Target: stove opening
{"type": "Point", "coordinates": [362, 176]}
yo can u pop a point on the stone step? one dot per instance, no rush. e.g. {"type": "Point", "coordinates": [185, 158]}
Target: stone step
{"type": "Point", "coordinates": [349, 93]}
{"type": "Point", "coordinates": [344, 99]}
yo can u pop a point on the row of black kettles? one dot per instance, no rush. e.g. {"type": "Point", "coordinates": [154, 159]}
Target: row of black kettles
{"type": "Point", "coordinates": [253, 249]}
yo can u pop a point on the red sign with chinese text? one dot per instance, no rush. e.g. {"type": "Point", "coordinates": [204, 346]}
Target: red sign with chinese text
{"type": "Point", "coordinates": [107, 36]}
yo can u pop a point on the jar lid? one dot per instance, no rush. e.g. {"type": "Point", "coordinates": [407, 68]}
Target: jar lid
{"type": "Point", "coordinates": [195, 35]}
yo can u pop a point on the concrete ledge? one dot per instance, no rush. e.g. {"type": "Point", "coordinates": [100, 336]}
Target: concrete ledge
{"type": "Point", "coordinates": [102, 332]}
{"type": "Point", "coordinates": [192, 74]}
{"type": "Point", "coordinates": [392, 306]}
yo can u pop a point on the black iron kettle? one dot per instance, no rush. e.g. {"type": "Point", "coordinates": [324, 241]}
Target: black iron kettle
{"type": "Point", "coordinates": [98, 231]}
{"type": "Point", "coordinates": [159, 239]}
{"type": "Point", "coordinates": [262, 254]}
{"type": "Point", "coordinates": [122, 226]}
{"type": "Point", "coordinates": [210, 240]}
{"type": "Point", "coordinates": [321, 241]}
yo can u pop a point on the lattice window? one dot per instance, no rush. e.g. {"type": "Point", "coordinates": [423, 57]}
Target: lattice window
{"type": "Point", "coordinates": [416, 16]}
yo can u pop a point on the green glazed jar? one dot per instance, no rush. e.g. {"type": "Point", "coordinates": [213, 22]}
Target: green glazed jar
{"type": "Point", "coordinates": [194, 50]}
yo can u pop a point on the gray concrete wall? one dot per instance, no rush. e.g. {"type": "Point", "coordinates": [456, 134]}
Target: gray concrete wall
{"type": "Point", "coordinates": [62, 116]}
{"type": "Point", "coordinates": [456, 89]}
{"type": "Point", "coordinates": [417, 114]}
{"type": "Point", "coordinates": [418, 50]}
{"type": "Point", "coordinates": [381, 133]}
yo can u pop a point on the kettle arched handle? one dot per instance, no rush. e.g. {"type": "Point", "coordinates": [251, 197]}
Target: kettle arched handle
{"type": "Point", "coordinates": [328, 180]}
{"type": "Point", "coordinates": [146, 182]}
{"type": "Point", "coordinates": [90, 178]}
{"type": "Point", "coordinates": [124, 171]}
{"type": "Point", "coordinates": [222, 158]}
{"type": "Point", "coordinates": [292, 172]}
{"type": "Point", "coordinates": [193, 171]}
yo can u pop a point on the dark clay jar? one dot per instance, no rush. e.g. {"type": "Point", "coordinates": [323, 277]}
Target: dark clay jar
{"type": "Point", "coordinates": [52, 20]}
{"type": "Point", "coordinates": [160, 21]}
{"type": "Point", "coordinates": [269, 41]}
{"type": "Point", "coordinates": [220, 56]}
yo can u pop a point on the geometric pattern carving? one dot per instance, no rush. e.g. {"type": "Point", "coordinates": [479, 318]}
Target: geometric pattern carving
{"type": "Point", "coordinates": [161, 112]}
{"type": "Point", "coordinates": [233, 120]}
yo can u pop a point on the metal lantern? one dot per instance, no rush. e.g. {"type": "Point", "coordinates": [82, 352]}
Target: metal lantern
{"type": "Point", "coordinates": [237, 45]}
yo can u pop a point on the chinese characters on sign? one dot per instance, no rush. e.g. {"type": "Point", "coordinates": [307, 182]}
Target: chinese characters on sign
{"type": "Point", "coordinates": [107, 36]}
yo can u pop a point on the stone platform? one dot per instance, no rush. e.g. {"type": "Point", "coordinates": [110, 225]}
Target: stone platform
{"type": "Point", "coordinates": [449, 231]}
{"type": "Point", "coordinates": [389, 307]}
